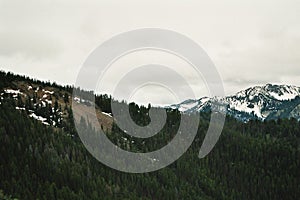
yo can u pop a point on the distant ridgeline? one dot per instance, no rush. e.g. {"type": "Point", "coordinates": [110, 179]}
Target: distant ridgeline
{"type": "Point", "coordinates": [269, 102]}
{"type": "Point", "coordinates": [42, 156]}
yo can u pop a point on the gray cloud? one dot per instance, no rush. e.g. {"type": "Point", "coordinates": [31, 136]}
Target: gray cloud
{"type": "Point", "coordinates": [251, 42]}
{"type": "Point", "coordinates": [30, 45]}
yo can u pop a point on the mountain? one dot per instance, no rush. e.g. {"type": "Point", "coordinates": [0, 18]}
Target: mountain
{"type": "Point", "coordinates": [51, 104]}
{"type": "Point", "coordinates": [42, 156]}
{"type": "Point", "coordinates": [260, 102]}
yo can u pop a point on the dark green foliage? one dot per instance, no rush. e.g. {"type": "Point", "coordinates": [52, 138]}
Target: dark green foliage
{"type": "Point", "coordinates": [251, 161]}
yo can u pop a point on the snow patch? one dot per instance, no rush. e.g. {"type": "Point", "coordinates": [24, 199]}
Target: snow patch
{"type": "Point", "coordinates": [107, 114]}
{"type": "Point", "coordinates": [48, 101]}
{"type": "Point", "coordinates": [18, 108]}
{"type": "Point", "coordinates": [77, 99]}
{"type": "Point", "coordinates": [46, 123]}
{"type": "Point", "coordinates": [10, 91]}
{"type": "Point", "coordinates": [185, 107]}
{"type": "Point", "coordinates": [33, 115]}
{"type": "Point", "coordinates": [285, 96]}
{"type": "Point", "coordinates": [244, 107]}
{"type": "Point", "coordinates": [49, 92]}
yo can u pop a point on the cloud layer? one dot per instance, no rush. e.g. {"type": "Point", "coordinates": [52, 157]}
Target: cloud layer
{"type": "Point", "coordinates": [251, 43]}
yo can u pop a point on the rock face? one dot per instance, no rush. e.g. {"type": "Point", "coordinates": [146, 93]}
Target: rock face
{"type": "Point", "coordinates": [259, 102]}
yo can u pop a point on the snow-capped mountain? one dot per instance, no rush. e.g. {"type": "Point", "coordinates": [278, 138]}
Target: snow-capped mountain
{"type": "Point", "coordinates": [259, 102]}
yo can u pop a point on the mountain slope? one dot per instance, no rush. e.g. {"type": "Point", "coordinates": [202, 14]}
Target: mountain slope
{"type": "Point", "coordinates": [47, 102]}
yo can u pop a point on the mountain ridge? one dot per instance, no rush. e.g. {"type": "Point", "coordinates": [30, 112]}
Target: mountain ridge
{"type": "Point", "coordinates": [270, 101]}
{"type": "Point", "coordinates": [266, 102]}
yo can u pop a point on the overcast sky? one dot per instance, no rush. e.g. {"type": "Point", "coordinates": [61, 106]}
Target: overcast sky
{"type": "Point", "coordinates": [251, 42]}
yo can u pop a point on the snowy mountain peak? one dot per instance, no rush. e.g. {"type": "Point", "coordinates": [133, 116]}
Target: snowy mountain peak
{"type": "Point", "coordinates": [270, 101]}
{"type": "Point", "coordinates": [191, 104]}
{"type": "Point", "coordinates": [277, 92]}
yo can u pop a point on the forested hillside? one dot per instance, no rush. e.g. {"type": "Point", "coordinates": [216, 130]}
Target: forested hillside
{"type": "Point", "coordinates": [45, 160]}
